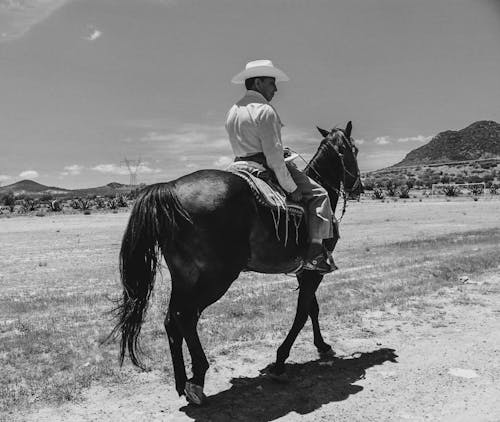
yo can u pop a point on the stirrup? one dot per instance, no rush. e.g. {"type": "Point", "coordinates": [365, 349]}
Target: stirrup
{"type": "Point", "coordinates": [320, 264]}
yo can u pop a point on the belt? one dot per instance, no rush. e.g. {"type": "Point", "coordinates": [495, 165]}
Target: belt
{"type": "Point", "coordinates": [258, 157]}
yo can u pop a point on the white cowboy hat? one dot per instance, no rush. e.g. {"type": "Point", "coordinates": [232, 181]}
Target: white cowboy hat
{"type": "Point", "coordinates": [260, 68]}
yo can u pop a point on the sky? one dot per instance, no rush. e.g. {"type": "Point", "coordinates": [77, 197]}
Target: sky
{"type": "Point", "coordinates": [85, 84]}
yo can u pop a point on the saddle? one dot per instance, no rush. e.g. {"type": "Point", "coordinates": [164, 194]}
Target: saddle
{"type": "Point", "coordinates": [266, 190]}
{"type": "Point", "coordinates": [269, 194]}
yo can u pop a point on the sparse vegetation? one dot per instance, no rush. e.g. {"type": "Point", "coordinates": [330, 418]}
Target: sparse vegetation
{"type": "Point", "coordinates": [378, 193]}
{"type": "Point", "coordinates": [51, 326]}
{"type": "Point", "coordinates": [451, 190]}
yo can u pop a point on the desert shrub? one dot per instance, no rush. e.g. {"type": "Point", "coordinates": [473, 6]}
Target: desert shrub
{"type": "Point", "coordinates": [404, 192]}
{"type": "Point", "coordinates": [410, 183]}
{"type": "Point", "coordinates": [476, 190]}
{"type": "Point", "coordinates": [9, 200]}
{"type": "Point", "coordinates": [28, 205]}
{"type": "Point", "coordinates": [86, 212]}
{"type": "Point", "coordinates": [81, 204]}
{"type": "Point", "coordinates": [378, 193]}
{"type": "Point", "coordinates": [369, 183]}
{"type": "Point", "coordinates": [112, 204]}
{"type": "Point", "coordinates": [100, 203]}
{"type": "Point", "coordinates": [391, 188]}
{"type": "Point", "coordinates": [46, 197]}
{"type": "Point", "coordinates": [494, 189]}
{"type": "Point", "coordinates": [121, 201]}
{"type": "Point", "coordinates": [451, 190]}
{"type": "Point", "coordinates": [55, 206]}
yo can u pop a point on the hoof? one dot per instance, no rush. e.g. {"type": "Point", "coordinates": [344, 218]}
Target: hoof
{"type": "Point", "coordinates": [194, 394]}
{"type": "Point", "coordinates": [326, 354]}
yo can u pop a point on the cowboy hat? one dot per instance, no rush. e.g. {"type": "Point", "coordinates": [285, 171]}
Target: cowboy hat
{"type": "Point", "coordinates": [261, 68]}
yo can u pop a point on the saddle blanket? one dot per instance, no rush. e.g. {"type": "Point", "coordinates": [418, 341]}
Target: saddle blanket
{"type": "Point", "coordinates": [266, 192]}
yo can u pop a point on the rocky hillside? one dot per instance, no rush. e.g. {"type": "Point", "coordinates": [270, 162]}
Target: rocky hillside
{"type": "Point", "coordinates": [35, 189]}
{"type": "Point", "coordinates": [480, 140]}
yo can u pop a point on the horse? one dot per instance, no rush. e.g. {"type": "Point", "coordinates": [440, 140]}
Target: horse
{"type": "Point", "coordinates": [209, 228]}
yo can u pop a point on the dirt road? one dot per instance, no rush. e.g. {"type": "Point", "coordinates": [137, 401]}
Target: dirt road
{"type": "Point", "coordinates": [438, 359]}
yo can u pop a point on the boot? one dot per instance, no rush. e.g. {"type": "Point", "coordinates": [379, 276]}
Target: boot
{"type": "Point", "coordinates": [316, 260]}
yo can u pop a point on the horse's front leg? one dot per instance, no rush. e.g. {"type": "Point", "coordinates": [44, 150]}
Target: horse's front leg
{"type": "Point", "coordinates": [324, 349]}
{"type": "Point", "coordinates": [308, 283]}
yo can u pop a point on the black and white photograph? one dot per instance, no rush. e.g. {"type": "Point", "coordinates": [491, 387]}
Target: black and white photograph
{"type": "Point", "coordinates": [250, 210]}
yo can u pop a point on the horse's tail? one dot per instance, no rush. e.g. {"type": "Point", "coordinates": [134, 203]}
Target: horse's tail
{"type": "Point", "coordinates": [152, 226]}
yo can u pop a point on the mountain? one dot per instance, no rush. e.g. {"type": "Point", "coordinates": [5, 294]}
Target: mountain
{"type": "Point", "coordinates": [29, 187]}
{"type": "Point", "coordinates": [480, 140]}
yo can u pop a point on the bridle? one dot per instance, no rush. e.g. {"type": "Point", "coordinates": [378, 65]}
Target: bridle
{"type": "Point", "coordinates": [342, 192]}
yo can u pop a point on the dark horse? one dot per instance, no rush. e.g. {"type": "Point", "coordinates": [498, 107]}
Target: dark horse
{"type": "Point", "coordinates": [208, 227]}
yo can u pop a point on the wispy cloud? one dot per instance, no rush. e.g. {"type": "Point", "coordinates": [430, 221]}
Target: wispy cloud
{"type": "Point", "coordinates": [385, 140]}
{"type": "Point", "coordinates": [19, 16]}
{"type": "Point", "coordinates": [4, 178]}
{"type": "Point", "coordinates": [418, 138]}
{"type": "Point", "coordinates": [29, 174]}
{"type": "Point", "coordinates": [122, 171]}
{"type": "Point", "coordinates": [223, 161]}
{"type": "Point", "coordinates": [72, 170]}
{"type": "Point", "coordinates": [92, 33]}
{"type": "Point", "coordinates": [382, 140]}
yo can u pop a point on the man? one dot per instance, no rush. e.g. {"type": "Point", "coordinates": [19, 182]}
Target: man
{"type": "Point", "coordinates": [254, 130]}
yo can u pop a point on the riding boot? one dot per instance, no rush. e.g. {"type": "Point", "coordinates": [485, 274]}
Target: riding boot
{"type": "Point", "coordinates": [316, 259]}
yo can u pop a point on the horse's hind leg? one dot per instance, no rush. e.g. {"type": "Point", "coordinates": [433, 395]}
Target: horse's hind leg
{"type": "Point", "coordinates": [187, 320]}
{"type": "Point", "coordinates": [175, 342]}
{"type": "Point", "coordinates": [324, 349]}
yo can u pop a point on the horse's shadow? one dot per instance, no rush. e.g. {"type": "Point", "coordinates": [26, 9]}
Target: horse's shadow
{"type": "Point", "coordinates": [311, 385]}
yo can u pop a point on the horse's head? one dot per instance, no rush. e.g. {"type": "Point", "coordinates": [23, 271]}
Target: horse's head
{"type": "Point", "coordinates": [338, 149]}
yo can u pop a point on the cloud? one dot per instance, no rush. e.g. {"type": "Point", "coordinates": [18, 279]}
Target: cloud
{"type": "Point", "coordinates": [418, 138]}
{"type": "Point", "coordinates": [4, 178]}
{"type": "Point", "coordinates": [382, 140]}
{"type": "Point", "coordinates": [122, 171]}
{"type": "Point", "coordinates": [385, 140]}
{"type": "Point", "coordinates": [359, 141]}
{"type": "Point", "coordinates": [110, 169]}
{"type": "Point", "coordinates": [29, 174]}
{"type": "Point", "coordinates": [19, 16]}
{"type": "Point", "coordinates": [92, 33]}
{"type": "Point", "coordinates": [223, 161]}
{"type": "Point", "coordinates": [72, 170]}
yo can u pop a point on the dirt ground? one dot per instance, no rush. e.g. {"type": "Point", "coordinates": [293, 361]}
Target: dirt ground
{"type": "Point", "coordinates": [438, 359]}
{"type": "Point", "coordinates": [438, 362]}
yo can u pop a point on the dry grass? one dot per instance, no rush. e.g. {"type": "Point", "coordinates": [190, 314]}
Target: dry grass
{"type": "Point", "coordinates": [58, 274]}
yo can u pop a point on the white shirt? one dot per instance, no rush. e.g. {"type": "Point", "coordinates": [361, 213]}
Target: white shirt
{"type": "Point", "coordinates": [253, 126]}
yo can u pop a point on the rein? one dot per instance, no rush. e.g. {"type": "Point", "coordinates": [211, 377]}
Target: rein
{"type": "Point", "coordinates": [341, 193]}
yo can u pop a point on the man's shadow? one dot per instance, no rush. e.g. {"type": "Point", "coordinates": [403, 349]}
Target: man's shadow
{"type": "Point", "coordinates": [311, 385]}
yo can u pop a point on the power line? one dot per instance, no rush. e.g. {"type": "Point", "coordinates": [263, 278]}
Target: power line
{"type": "Point", "coordinates": [133, 166]}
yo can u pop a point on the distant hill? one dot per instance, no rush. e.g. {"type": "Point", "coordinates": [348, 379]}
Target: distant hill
{"type": "Point", "coordinates": [480, 140]}
{"type": "Point", "coordinates": [29, 187]}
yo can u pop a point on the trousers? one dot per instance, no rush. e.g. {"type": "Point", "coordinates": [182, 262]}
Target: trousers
{"type": "Point", "coordinates": [319, 210]}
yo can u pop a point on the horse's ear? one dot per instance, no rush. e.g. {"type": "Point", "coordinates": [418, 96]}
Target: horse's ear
{"type": "Point", "coordinates": [324, 133]}
{"type": "Point", "coordinates": [348, 129]}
